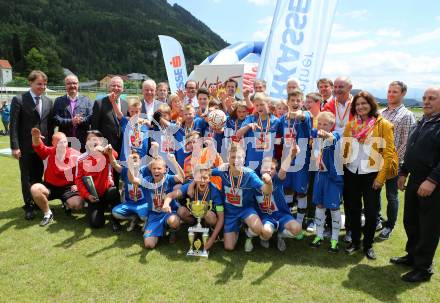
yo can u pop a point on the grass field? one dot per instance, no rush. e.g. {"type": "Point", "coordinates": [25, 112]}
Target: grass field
{"type": "Point", "coordinates": [68, 262]}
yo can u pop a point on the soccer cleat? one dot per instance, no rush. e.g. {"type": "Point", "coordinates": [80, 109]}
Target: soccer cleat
{"type": "Point", "coordinates": [316, 242]}
{"type": "Point", "coordinates": [281, 244]}
{"type": "Point", "coordinates": [248, 246]}
{"type": "Point", "coordinates": [264, 243]}
{"type": "Point", "coordinates": [385, 233]}
{"type": "Point", "coordinates": [334, 246]}
{"type": "Point", "coordinates": [116, 226]}
{"type": "Point", "coordinates": [133, 224]}
{"type": "Point", "coordinates": [347, 237]}
{"type": "Point", "coordinates": [300, 236]}
{"type": "Point", "coordinates": [311, 228]}
{"type": "Point", "coordinates": [352, 248]}
{"type": "Point", "coordinates": [370, 254]}
{"type": "Point", "coordinates": [379, 226]}
{"type": "Point", "coordinates": [46, 220]}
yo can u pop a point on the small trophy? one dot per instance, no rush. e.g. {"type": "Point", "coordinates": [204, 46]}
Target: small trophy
{"type": "Point", "coordinates": [133, 166]}
{"type": "Point", "coordinates": [198, 209]}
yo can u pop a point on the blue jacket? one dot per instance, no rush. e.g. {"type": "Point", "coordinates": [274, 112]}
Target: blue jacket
{"type": "Point", "coordinates": [63, 116]}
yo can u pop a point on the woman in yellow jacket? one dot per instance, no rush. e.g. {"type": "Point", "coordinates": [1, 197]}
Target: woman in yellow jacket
{"type": "Point", "coordinates": [370, 159]}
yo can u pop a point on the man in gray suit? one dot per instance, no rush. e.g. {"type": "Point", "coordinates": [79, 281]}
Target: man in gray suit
{"type": "Point", "coordinates": [32, 109]}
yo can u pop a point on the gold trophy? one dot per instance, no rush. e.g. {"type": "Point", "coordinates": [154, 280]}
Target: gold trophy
{"type": "Point", "coordinates": [198, 209]}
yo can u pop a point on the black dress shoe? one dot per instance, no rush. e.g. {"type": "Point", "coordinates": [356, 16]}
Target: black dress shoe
{"type": "Point", "coordinates": [116, 226]}
{"type": "Point", "coordinates": [405, 260]}
{"type": "Point", "coordinates": [370, 254]}
{"type": "Point", "coordinates": [29, 213]}
{"type": "Point", "coordinates": [417, 275]}
{"type": "Point", "coordinates": [352, 248]}
{"type": "Point", "coordinates": [46, 220]}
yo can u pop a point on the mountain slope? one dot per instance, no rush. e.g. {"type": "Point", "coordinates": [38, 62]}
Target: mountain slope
{"type": "Point", "coordinates": [96, 37]}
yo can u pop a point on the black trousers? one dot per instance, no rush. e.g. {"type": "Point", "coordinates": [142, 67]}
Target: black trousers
{"type": "Point", "coordinates": [31, 172]}
{"type": "Point", "coordinates": [421, 219]}
{"type": "Point", "coordinates": [96, 210]}
{"type": "Point", "coordinates": [358, 188]}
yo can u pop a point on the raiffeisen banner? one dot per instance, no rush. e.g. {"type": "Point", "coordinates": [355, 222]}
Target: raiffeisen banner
{"type": "Point", "coordinates": [296, 44]}
{"type": "Point", "coordinates": [174, 61]}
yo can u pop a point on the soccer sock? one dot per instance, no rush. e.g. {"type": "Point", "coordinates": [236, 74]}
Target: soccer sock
{"type": "Point", "coordinates": [286, 234]}
{"type": "Point", "coordinates": [250, 233]}
{"type": "Point", "coordinates": [48, 213]}
{"type": "Point", "coordinates": [302, 207]}
{"type": "Point", "coordinates": [336, 224]}
{"type": "Point", "coordinates": [320, 222]}
{"type": "Point", "coordinates": [289, 199]}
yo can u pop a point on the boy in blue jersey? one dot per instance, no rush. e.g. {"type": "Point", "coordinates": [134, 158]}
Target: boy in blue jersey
{"type": "Point", "coordinates": [258, 131]}
{"type": "Point", "coordinates": [238, 184]}
{"type": "Point", "coordinates": [273, 209]}
{"type": "Point", "coordinates": [233, 123]}
{"type": "Point", "coordinates": [133, 129]}
{"type": "Point", "coordinates": [155, 187]}
{"type": "Point", "coordinates": [134, 206]}
{"type": "Point", "coordinates": [295, 128]}
{"type": "Point", "coordinates": [203, 190]}
{"type": "Point", "coordinates": [329, 182]}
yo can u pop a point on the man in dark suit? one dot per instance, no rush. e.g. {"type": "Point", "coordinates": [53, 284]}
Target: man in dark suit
{"type": "Point", "coordinates": [105, 120]}
{"type": "Point", "coordinates": [73, 113]}
{"type": "Point", "coordinates": [32, 109]}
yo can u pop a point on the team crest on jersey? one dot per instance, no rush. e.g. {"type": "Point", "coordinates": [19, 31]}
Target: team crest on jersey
{"type": "Point", "coordinates": [267, 204]}
{"type": "Point", "coordinates": [131, 193]}
{"type": "Point", "coordinates": [232, 198]}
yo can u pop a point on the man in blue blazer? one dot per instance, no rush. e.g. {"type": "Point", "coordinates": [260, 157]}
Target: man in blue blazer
{"type": "Point", "coordinates": [73, 112]}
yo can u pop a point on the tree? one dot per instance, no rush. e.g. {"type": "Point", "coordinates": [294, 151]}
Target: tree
{"type": "Point", "coordinates": [35, 60]}
{"type": "Point", "coordinates": [54, 69]}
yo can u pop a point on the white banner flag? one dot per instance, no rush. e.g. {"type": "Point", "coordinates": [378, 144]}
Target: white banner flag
{"type": "Point", "coordinates": [174, 61]}
{"type": "Point", "coordinates": [296, 44]}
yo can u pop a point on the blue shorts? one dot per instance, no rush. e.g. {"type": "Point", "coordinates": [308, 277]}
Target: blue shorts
{"type": "Point", "coordinates": [298, 181]}
{"type": "Point", "coordinates": [278, 220]}
{"type": "Point", "coordinates": [326, 192]}
{"type": "Point", "coordinates": [233, 220]}
{"type": "Point", "coordinates": [129, 209]}
{"type": "Point", "coordinates": [157, 222]}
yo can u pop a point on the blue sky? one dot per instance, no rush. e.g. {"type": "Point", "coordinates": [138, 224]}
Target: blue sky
{"type": "Point", "coordinates": [374, 42]}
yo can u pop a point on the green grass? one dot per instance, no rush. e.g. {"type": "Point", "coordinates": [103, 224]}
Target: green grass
{"type": "Point", "coordinates": [69, 262]}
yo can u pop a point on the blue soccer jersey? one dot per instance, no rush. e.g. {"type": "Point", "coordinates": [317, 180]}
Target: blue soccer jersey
{"type": "Point", "coordinates": [243, 196]}
{"type": "Point", "coordinates": [134, 138]}
{"type": "Point", "coordinates": [294, 130]}
{"type": "Point", "coordinates": [259, 144]}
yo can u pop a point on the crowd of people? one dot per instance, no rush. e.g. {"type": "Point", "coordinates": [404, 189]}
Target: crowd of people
{"type": "Point", "coordinates": [270, 168]}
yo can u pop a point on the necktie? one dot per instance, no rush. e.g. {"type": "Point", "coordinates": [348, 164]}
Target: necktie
{"type": "Point", "coordinates": [37, 104]}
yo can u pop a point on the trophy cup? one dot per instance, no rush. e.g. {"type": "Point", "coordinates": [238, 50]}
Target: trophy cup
{"type": "Point", "coordinates": [198, 209]}
{"type": "Point", "coordinates": [133, 166]}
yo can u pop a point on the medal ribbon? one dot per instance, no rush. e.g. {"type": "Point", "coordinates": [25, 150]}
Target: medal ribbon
{"type": "Point", "coordinates": [205, 194]}
{"type": "Point", "coordinates": [341, 120]}
{"type": "Point", "coordinates": [234, 188]}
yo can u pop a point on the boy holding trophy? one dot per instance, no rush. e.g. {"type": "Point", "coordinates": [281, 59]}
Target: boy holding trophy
{"type": "Point", "coordinates": [155, 187]}
{"type": "Point", "coordinates": [201, 190]}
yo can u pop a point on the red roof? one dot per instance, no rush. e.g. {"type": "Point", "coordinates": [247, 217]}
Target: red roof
{"type": "Point", "coordinates": [5, 64]}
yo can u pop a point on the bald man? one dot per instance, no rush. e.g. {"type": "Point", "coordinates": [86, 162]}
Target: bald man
{"type": "Point", "coordinates": [105, 120]}
{"type": "Point", "coordinates": [149, 104]}
{"type": "Point", "coordinates": [73, 113]}
{"type": "Point", "coordinates": [422, 193]}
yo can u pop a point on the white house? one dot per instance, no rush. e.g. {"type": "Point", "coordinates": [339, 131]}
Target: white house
{"type": "Point", "coordinates": [5, 72]}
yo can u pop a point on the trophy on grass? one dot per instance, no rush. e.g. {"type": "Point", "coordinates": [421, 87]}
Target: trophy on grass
{"type": "Point", "coordinates": [198, 209]}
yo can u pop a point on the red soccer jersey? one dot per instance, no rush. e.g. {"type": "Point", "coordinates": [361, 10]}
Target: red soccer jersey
{"type": "Point", "coordinates": [98, 167]}
{"type": "Point", "coordinates": [58, 172]}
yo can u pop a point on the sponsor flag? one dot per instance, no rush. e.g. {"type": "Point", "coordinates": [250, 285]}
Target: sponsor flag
{"type": "Point", "coordinates": [296, 44]}
{"type": "Point", "coordinates": [174, 61]}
